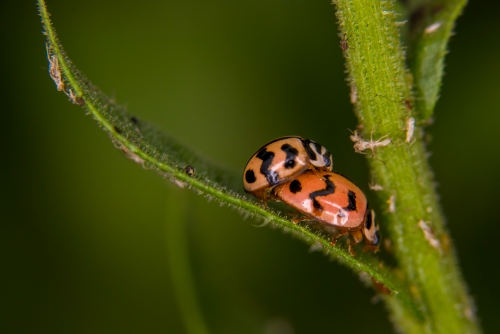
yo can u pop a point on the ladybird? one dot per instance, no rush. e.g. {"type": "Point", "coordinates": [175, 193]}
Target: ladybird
{"type": "Point", "coordinates": [331, 199]}
{"type": "Point", "coordinates": [281, 160]}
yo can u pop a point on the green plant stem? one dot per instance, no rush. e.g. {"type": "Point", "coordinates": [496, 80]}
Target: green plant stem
{"type": "Point", "coordinates": [377, 73]}
{"type": "Point", "coordinates": [178, 260]}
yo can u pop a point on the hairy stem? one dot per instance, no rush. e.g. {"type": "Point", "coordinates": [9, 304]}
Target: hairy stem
{"type": "Point", "coordinates": [413, 218]}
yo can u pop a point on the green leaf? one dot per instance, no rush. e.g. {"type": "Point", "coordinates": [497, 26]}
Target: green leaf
{"type": "Point", "coordinates": [154, 149]}
{"type": "Point", "coordinates": [431, 27]}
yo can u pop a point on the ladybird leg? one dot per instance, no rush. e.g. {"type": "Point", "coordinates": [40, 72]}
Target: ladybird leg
{"type": "Point", "coordinates": [297, 220]}
{"type": "Point", "coordinates": [371, 248]}
{"type": "Point", "coordinates": [264, 196]}
{"type": "Point", "coordinates": [337, 236]}
{"type": "Point", "coordinates": [357, 236]}
{"type": "Point", "coordinates": [351, 250]}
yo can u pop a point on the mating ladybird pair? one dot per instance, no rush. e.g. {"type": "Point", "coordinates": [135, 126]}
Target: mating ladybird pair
{"type": "Point", "coordinates": [298, 172]}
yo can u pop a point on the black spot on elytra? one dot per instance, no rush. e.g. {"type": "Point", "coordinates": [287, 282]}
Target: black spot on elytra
{"type": "Point", "coordinates": [250, 176]}
{"type": "Point", "coordinates": [291, 155]}
{"type": "Point", "coordinates": [295, 186]}
{"type": "Point", "coordinates": [267, 160]}
{"type": "Point", "coordinates": [351, 197]}
{"type": "Point", "coordinates": [369, 220]}
{"type": "Point", "coordinates": [329, 189]}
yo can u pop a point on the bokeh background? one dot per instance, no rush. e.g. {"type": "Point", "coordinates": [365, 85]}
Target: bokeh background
{"type": "Point", "coordinates": [83, 230]}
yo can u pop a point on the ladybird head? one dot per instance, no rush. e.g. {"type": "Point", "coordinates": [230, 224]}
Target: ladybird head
{"type": "Point", "coordinates": [319, 156]}
{"type": "Point", "coordinates": [370, 230]}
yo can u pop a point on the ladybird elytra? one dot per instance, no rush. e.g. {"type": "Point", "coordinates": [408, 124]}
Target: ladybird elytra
{"type": "Point", "coordinates": [332, 199]}
{"type": "Point", "coordinates": [280, 160]}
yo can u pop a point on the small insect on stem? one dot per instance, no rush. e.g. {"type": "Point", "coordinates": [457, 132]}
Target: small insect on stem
{"type": "Point", "coordinates": [344, 45]}
{"type": "Point", "coordinates": [55, 72]}
{"type": "Point", "coordinates": [73, 98]}
{"type": "Point", "coordinates": [354, 93]}
{"type": "Point", "coordinates": [360, 145]}
{"type": "Point", "coordinates": [410, 128]}
{"type": "Point", "coordinates": [189, 170]}
{"type": "Point", "coordinates": [375, 187]}
{"type": "Point", "coordinates": [430, 236]}
{"type": "Point", "coordinates": [55, 69]}
{"type": "Point", "coordinates": [433, 27]}
{"type": "Point", "coordinates": [392, 203]}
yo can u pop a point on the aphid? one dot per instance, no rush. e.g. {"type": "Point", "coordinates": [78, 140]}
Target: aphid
{"type": "Point", "coordinates": [344, 45]}
{"type": "Point", "coordinates": [280, 160]}
{"type": "Point", "coordinates": [55, 72]}
{"type": "Point", "coordinates": [375, 187]}
{"type": "Point", "coordinates": [430, 236]}
{"type": "Point", "coordinates": [410, 128]}
{"type": "Point", "coordinates": [392, 203]}
{"type": "Point", "coordinates": [189, 170]}
{"type": "Point", "coordinates": [353, 95]}
{"type": "Point", "coordinates": [360, 145]}
{"type": "Point", "coordinates": [73, 98]}
{"type": "Point", "coordinates": [331, 199]}
{"type": "Point", "coordinates": [433, 27]}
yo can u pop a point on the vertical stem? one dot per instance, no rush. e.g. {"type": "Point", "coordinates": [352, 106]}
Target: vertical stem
{"type": "Point", "coordinates": [178, 260]}
{"type": "Point", "coordinates": [413, 218]}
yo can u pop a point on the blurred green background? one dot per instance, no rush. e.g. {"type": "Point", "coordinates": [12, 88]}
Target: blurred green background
{"type": "Point", "coordinates": [82, 230]}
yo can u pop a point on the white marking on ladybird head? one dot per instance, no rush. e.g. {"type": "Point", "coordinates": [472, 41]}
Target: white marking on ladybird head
{"type": "Point", "coordinates": [319, 161]}
{"type": "Point", "coordinates": [371, 233]}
